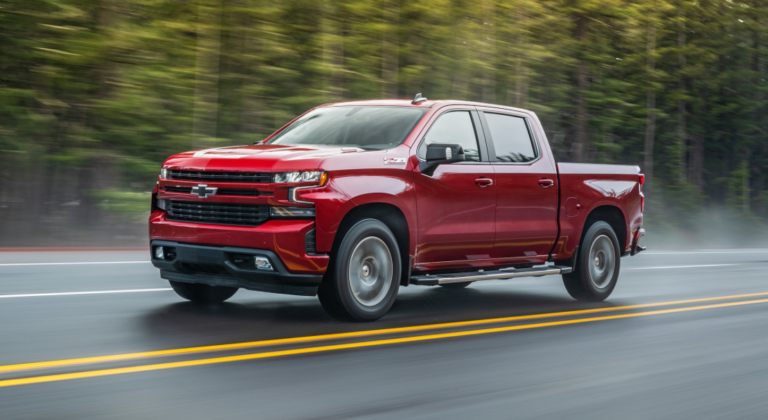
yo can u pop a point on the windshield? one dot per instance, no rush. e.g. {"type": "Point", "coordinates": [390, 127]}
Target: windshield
{"type": "Point", "coordinates": [367, 127]}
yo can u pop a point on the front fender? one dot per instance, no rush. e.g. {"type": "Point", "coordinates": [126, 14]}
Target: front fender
{"type": "Point", "coordinates": [344, 193]}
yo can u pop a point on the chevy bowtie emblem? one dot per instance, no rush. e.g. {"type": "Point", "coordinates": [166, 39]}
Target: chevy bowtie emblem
{"type": "Point", "coordinates": [203, 190]}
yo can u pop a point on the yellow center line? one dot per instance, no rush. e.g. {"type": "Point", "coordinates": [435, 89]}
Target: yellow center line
{"type": "Point", "coordinates": [308, 350]}
{"type": "Point", "coordinates": [337, 336]}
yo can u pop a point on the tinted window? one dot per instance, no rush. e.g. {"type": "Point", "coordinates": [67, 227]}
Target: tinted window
{"type": "Point", "coordinates": [368, 127]}
{"type": "Point", "coordinates": [511, 138]}
{"type": "Point", "coordinates": [453, 128]}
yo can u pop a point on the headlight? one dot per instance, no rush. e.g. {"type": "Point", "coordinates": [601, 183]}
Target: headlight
{"type": "Point", "coordinates": [163, 173]}
{"type": "Point", "coordinates": [306, 176]}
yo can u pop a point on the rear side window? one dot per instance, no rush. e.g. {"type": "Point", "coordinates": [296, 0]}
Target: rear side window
{"type": "Point", "coordinates": [454, 127]}
{"type": "Point", "coordinates": [511, 138]}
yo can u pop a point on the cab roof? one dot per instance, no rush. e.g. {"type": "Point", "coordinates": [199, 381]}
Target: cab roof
{"type": "Point", "coordinates": [425, 104]}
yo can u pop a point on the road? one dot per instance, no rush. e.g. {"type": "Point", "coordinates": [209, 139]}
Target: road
{"type": "Point", "coordinates": [684, 335]}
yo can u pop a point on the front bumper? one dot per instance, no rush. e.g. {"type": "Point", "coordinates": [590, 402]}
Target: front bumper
{"type": "Point", "coordinates": [230, 266]}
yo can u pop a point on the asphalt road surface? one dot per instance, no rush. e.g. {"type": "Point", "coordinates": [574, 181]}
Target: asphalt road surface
{"type": "Point", "coordinates": [100, 335]}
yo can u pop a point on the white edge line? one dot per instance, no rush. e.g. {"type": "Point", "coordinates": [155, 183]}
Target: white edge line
{"type": "Point", "coordinates": [99, 292]}
{"type": "Point", "coordinates": [680, 266]}
{"type": "Point", "coordinates": [746, 251]}
{"type": "Point", "coordinates": [76, 263]}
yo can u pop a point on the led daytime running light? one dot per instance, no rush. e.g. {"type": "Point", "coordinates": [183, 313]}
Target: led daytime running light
{"type": "Point", "coordinates": [305, 176]}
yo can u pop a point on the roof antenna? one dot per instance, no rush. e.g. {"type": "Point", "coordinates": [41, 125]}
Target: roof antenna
{"type": "Point", "coordinates": [418, 99]}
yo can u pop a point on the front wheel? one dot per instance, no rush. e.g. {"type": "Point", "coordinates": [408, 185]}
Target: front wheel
{"type": "Point", "coordinates": [203, 293]}
{"type": "Point", "coordinates": [597, 265]}
{"type": "Point", "coordinates": [362, 281]}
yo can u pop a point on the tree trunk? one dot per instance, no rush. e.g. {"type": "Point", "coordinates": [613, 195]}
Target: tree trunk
{"type": "Point", "coordinates": [460, 81]}
{"type": "Point", "coordinates": [206, 73]}
{"type": "Point", "coordinates": [251, 103]}
{"type": "Point", "coordinates": [521, 71]}
{"type": "Point", "coordinates": [488, 43]}
{"type": "Point", "coordinates": [745, 187]}
{"type": "Point", "coordinates": [696, 172]}
{"type": "Point", "coordinates": [681, 105]}
{"type": "Point", "coordinates": [333, 52]}
{"type": "Point", "coordinates": [580, 143]}
{"type": "Point", "coordinates": [650, 122]}
{"type": "Point", "coordinates": [390, 50]}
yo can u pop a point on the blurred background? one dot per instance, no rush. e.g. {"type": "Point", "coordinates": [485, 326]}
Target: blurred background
{"type": "Point", "coordinates": [95, 94]}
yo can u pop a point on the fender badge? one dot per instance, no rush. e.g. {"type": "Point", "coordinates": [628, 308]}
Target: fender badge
{"type": "Point", "coordinates": [391, 160]}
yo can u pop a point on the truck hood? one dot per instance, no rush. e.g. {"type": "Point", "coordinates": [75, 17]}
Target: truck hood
{"type": "Point", "coordinates": [266, 157]}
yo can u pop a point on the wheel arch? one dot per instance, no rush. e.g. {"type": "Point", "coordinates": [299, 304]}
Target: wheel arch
{"type": "Point", "coordinates": [390, 215]}
{"type": "Point", "coordinates": [611, 215]}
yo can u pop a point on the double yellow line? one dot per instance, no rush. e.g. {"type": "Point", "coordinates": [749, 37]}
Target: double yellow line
{"type": "Point", "coordinates": [327, 337]}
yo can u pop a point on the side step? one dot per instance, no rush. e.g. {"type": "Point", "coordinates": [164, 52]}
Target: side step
{"type": "Point", "coordinates": [503, 274]}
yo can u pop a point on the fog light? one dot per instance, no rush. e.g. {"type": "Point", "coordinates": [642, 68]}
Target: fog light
{"type": "Point", "coordinates": [262, 263]}
{"type": "Point", "coordinates": [159, 254]}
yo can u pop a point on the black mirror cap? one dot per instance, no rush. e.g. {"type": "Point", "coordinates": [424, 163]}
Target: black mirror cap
{"type": "Point", "coordinates": [445, 152]}
{"type": "Point", "coordinates": [440, 153]}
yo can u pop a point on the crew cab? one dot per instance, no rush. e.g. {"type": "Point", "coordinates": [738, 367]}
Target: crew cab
{"type": "Point", "coordinates": [350, 201]}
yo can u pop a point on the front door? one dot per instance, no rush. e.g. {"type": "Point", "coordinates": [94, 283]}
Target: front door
{"type": "Point", "coordinates": [527, 190]}
{"type": "Point", "coordinates": [456, 204]}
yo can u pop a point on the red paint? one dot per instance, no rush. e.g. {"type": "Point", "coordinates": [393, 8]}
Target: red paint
{"type": "Point", "coordinates": [466, 214]}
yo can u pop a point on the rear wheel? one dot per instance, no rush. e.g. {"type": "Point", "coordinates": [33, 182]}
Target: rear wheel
{"type": "Point", "coordinates": [362, 281]}
{"type": "Point", "coordinates": [203, 293]}
{"type": "Point", "coordinates": [597, 265]}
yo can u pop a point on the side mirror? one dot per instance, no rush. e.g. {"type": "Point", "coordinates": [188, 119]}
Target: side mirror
{"type": "Point", "coordinates": [440, 153]}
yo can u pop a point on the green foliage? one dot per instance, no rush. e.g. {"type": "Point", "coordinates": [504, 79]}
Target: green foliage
{"type": "Point", "coordinates": [123, 201]}
{"type": "Point", "coordinates": [84, 82]}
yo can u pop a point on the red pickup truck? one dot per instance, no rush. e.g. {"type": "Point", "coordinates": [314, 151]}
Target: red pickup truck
{"type": "Point", "coordinates": [350, 201]}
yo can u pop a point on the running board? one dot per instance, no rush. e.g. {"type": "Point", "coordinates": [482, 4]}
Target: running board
{"type": "Point", "coordinates": [503, 274]}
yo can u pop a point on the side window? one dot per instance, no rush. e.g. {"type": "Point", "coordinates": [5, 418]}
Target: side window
{"type": "Point", "coordinates": [454, 127]}
{"type": "Point", "coordinates": [511, 138]}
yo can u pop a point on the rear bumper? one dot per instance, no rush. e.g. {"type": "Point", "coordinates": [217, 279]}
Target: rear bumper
{"type": "Point", "coordinates": [636, 248]}
{"type": "Point", "coordinates": [232, 267]}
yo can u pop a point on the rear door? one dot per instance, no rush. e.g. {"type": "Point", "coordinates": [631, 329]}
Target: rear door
{"type": "Point", "coordinates": [455, 205]}
{"type": "Point", "coordinates": [527, 190]}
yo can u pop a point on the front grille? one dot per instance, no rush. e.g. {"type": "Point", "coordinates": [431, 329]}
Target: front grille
{"type": "Point", "coordinates": [221, 191]}
{"type": "Point", "coordinates": [260, 177]}
{"type": "Point", "coordinates": [220, 213]}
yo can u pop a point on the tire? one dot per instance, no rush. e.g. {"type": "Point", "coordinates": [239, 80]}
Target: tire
{"type": "Point", "coordinates": [364, 275]}
{"type": "Point", "coordinates": [597, 265]}
{"type": "Point", "coordinates": [203, 293]}
{"type": "Point", "coordinates": [454, 286]}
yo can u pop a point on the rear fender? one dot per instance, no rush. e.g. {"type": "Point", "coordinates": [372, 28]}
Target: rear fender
{"type": "Point", "coordinates": [581, 195]}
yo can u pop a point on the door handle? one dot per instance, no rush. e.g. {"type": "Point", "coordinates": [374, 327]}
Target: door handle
{"type": "Point", "coordinates": [484, 182]}
{"type": "Point", "coordinates": [546, 182]}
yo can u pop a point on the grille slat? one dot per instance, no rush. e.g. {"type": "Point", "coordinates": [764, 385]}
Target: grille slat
{"type": "Point", "coordinates": [221, 191]}
{"type": "Point", "coordinates": [244, 193]}
{"type": "Point", "coordinates": [221, 213]}
{"type": "Point", "coordinates": [187, 190]}
{"type": "Point", "coordinates": [257, 177]}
